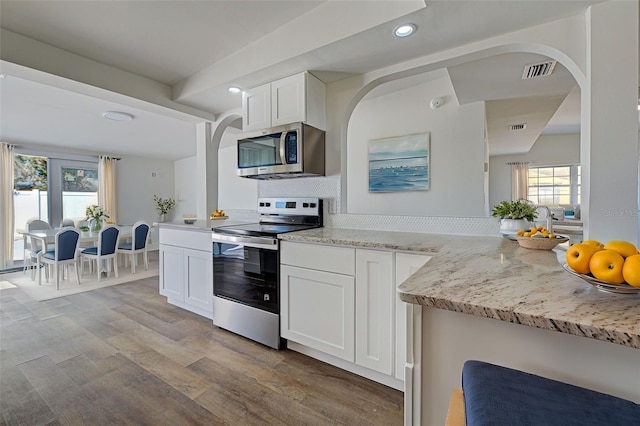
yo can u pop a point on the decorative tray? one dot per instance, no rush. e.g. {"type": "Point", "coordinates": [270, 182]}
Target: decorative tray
{"type": "Point", "coordinates": [541, 243]}
{"type": "Point", "coordinates": [623, 288]}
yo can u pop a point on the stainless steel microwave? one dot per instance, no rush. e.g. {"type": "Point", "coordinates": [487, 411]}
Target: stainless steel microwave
{"type": "Point", "coordinates": [289, 151]}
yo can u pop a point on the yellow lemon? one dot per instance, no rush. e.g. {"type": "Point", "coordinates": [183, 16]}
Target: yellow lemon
{"type": "Point", "coordinates": [631, 270]}
{"type": "Point", "coordinates": [579, 255]}
{"type": "Point", "coordinates": [623, 248]}
{"type": "Point", "coordinates": [593, 243]}
{"type": "Point", "coordinates": [606, 265]}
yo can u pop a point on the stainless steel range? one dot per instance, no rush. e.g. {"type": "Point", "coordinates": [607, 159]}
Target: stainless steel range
{"type": "Point", "coordinates": [246, 282]}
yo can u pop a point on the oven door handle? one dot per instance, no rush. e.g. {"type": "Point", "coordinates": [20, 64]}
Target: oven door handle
{"type": "Point", "coordinates": [257, 242]}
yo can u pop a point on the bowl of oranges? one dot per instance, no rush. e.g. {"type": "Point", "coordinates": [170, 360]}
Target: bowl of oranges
{"type": "Point", "coordinates": [613, 267]}
{"type": "Point", "coordinates": [538, 238]}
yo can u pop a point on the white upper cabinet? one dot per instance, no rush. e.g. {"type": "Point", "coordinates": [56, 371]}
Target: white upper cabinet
{"type": "Point", "coordinates": [300, 97]}
{"type": "Point", "coordinates": [256, 108]}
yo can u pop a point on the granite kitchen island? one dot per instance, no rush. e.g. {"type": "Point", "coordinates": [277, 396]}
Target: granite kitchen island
{"type": "Point", "coordinates": [487, 298]}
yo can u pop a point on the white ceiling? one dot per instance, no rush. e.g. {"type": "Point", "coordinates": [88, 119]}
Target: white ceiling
{"type": "Point", "coordinates": [198, 48]}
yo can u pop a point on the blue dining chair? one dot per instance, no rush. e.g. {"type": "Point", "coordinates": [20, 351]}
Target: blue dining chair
{"type": "Point", "coordinates": [64, 253]}
{"type": "Point", "coordinates": [105, 250]}
{"type": "Point", "coordinates": [138, 244]}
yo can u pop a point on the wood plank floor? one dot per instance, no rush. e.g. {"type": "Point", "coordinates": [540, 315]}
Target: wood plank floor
{"type": "Point", "coordinates": [122, 355]}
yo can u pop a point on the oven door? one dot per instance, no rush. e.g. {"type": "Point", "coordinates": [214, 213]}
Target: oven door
{"type": "Point", "coordinates": [245, 271]}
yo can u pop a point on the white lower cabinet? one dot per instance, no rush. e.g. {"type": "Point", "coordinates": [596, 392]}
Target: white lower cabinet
{"type": "Point", "coordinates": [198, 279]}
{"type": "Point", "coordinates": [317, 310]}
{"type": "Point", "coordinates": [375, 304]}
{"type": "Point", "coordinates": [171, 272]}
{"type": "Point", "coordinates": [406, 265]}
{"type": "Point", "coordinates": [340, 305]}
{"type": "Point", "coordinates": [186, 270]}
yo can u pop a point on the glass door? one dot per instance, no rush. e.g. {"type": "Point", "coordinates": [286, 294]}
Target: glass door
{"type": "Point", "coordinates": [30, 196]}
{"type": "Point", "coordinates": [50, 189]}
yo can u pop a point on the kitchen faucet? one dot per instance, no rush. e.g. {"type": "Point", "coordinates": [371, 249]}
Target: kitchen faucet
{"type": "Point", "coordinates": [549, 226]}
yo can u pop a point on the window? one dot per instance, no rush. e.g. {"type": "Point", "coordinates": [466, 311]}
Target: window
{"type": "Point", "coordinates": [79, 190]}
{"type": "Point", "coordinates": [554, 185]}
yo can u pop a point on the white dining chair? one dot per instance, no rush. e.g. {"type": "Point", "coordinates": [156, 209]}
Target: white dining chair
{"type": "Point", "coordinates": [106, 249]}
{"type": "Point", "coordinates": [64, 253]}
{"type": "Point", "coordinates": [67, 222]}
{"type": "Point", "coordinates": [32, 246]}
{"type": "Point", "coordinates": [139, 242]}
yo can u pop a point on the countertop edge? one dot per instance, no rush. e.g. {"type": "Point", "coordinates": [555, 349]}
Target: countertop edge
{"type": "Point", "coordinates": [512, 316]}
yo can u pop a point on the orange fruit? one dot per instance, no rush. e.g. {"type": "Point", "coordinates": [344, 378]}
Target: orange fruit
{"type": "Point", "coordinates": [623, 248]}
{"type": "Point", "coordinates": [593, 242]}
{"type": "Point", "coordinates": [631, 270]}
{"type": "Point", "coordinates": [579, 255]}
{"type": "Point", "coordinates": [606, 265]}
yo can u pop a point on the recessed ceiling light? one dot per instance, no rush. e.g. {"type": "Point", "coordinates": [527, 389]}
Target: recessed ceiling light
{"type": "Point", "coordinates": [405, 30]}
{"type": "Point", "coordinates": [234, 90]}
{"type": "Point", "coordinates": [117, 116]}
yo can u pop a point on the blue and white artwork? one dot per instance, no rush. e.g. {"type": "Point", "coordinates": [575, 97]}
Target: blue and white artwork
{"type": "Point", "coordinates": [399, 163]}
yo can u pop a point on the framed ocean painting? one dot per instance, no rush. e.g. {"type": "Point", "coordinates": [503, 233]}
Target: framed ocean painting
{"type": "Point", "coordinates": [399, 163]}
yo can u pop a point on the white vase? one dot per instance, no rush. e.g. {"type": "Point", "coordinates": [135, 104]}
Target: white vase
{"type": "Point", "coordinates": [162, 218]}
{"type": "Point", "coordinates": [509, 227]}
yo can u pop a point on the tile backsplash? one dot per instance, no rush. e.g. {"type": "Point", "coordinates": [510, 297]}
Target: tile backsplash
{"type": "Point", "coordinates": [328, 188]}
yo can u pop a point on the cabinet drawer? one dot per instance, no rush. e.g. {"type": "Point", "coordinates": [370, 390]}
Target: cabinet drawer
{"type": "Point", "coordinates": [197, 240]}
{"type": "Point", "coordinates": [340, 260]}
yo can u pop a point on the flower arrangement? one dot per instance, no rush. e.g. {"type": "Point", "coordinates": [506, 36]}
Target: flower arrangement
{"type": "Point", "coordinates": [519, 209]}
{"type": "Point", "coordinates": [163, 205]}
{"type": "Point", "coordinates": [96, 213]}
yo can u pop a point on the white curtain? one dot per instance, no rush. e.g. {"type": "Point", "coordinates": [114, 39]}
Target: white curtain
{"type": "Point", "coordinates": [6, 204]}
{"type": "Point", "coordinates": [519, 180]}
{"type": "Point", "coordinates": [107, 185]}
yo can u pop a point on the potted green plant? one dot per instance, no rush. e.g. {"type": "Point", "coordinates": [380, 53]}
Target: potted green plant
{"type": "Point", "coordinates": [163, 206]}
{"type": "Point", "coordinates": [515, 215]}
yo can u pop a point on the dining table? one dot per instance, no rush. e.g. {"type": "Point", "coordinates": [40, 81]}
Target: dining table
{"type": "Point", "coordinates": [47, 237]}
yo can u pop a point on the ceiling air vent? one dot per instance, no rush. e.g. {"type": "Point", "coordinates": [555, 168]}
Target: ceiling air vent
{"type": "Point", "coordinates": [538, 70]}
{"type": "Point", "coordinates": [520, 126]}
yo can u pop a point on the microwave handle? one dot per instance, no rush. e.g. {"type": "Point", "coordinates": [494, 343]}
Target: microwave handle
{"type": "Point", "coordinates": [283, 153]}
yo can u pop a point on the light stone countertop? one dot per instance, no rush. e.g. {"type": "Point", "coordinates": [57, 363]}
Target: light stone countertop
{"type": "Point", "coordinates": [495, 278]}
{"type": "Point", "coordinates": [199, 225]}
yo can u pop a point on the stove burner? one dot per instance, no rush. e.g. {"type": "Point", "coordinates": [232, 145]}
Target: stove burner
{"type": "Point", "coordinates": [262, 229]}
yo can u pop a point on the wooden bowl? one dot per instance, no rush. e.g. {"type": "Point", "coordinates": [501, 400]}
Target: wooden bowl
{"type": "Point", "coordinates": [540, 243]}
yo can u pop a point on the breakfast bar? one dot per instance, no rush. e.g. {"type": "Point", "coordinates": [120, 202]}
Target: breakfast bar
{"type": "Point", "coordinates": [549, 322]}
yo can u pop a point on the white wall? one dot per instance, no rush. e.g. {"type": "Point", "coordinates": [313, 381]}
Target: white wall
{"type": "Point", "coordinates": [136, 185]}
{"type": "Point", "coordinates": [185, 189]}
{"type": "Point", "coordinates": [548, 150]}
{"type": "Point", "coordinates": [457, 152]}
{"type": "Point", "coordinates": [234, 192]}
